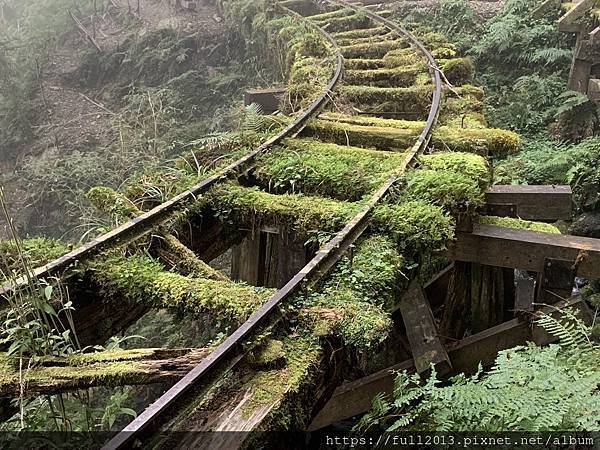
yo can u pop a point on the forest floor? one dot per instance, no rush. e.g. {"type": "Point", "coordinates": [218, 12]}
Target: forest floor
{"type": "Point", "coordinates": [484, 10]}
{"type": "Point", "coordinates": [73, 117]}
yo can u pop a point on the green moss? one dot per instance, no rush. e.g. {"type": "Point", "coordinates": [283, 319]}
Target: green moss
{"type": "Point", "coordinates": [113, 203]}
{"type": "Point", "coordinates": [468, 164]}
{"type": "Point", "coordinates": [350, 41]}
{"type": "Point", "coordinates": [377, 49]}
{"type": "Point", "coordinates": [304, 214]}
{"type": "Point", "coordinates": [361, 33]}
{"type": "Point", "coordinates": [519, 224]}
{"type": "Point", "coordinates": [363, 64]}
{"type": "Point", "coordinates": [343, 23]}
{"type": "Point", "coordinates": [458, 71]}
{"type": "Point", "coordinates": [401, 134]}
{"type": "Point", "coordinates": [455, 192]}
{"type": "Point", "coordinates": [307, 80]}
{"type": "Point", "coordinates": [416, 226]}
{"type": "Point", "coordinates": [37, 252]}
{"type": "Point", "coordinates": [270, 354]}
{"type": "Point", "coordinates": [139, 279]}
{"type": "Point", "coordinates": [316, 168]}
{"type": "Point", "coordinates": [403, 57]}
{"type": "Point", "coordinates": [396, 77]}
{"type": "Point", "coordinates": [352, 302]}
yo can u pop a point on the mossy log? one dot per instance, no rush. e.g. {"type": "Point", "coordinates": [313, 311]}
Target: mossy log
{"type": "Point", "coordinates": [363, 64]}
{"type": "Point", "coordinates": [171, 251]}
{"type": "Point", "coordinates": [362, 33]}
{"type": "Point", "coordinates": [329, 170]}
{"type": "Point", "coordinates": [377, 49]}
{"type": "Point", "coordinates": [387, 134]}
{"type": "Point", "coordinates": [107, 368]}
{"type": "Point", "coordinates": [303, 214]}
{"type": "Point", "coordinates": [396, 77]}
{"type": "Point", "coordinates": [141, 280]}
{"type": "Point", "coordinates": [370, 39]}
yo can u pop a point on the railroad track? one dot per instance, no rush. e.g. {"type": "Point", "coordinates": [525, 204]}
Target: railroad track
{"type": "Point", "coordinates": [340, 23]}
{"type": "Point", "coordinates": [357, 18]}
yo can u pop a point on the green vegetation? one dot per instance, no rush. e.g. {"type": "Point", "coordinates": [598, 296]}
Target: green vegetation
{"type": "Point", "coordinates": [328, 170]}
{"type": "Point", "coordinates": [519, 224]}
{"type": "Point", "coordinates": [139, 279]}
{"type": "Point", "coordinates": [547, 161]}
{"type": "Point", "coordinates": [304, 214]}
{"type": "Point", "coordinates": [353, 302]}
{"type": "Point", "coordinates": [469, 165]}
{"type": "Point", "coordinates": [529, 388]}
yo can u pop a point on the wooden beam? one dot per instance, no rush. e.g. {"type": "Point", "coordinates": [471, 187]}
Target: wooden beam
{"type": "Point", "coordinates": [354, 398]}
{"type": "Point", "coordinates": [110, 368]}
{"type": "Point", "coordinates": [544, 203]}
{"type": "Point", "coordinates": [267, 99]}
{"type": "Point", "coordinates": [577, 11]}
{"type": "Point", "coordinates": [524, 294]}
{"type": "Point", "coordinates": [523, 249]}
{"type": "Point", "coordinates": [421, 331]}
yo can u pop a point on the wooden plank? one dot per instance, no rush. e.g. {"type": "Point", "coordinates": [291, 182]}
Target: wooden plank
{"type": "Point", "coordinates": [543, 203]}
{"type": "Point", "coordinates": [524, 294]}
{"type": "Point", "coordinates": [577, 11]}
{"type": "Point", "coordinates": [356, 397]}
{"type": "Point", "coordinates": [523, 249]}
{"type": "Point", "coordinates": [245, 260]}
{"type": "Point", "coordinates": [421, 331]}
{"type": "Point", "coordinates": [268, 99]}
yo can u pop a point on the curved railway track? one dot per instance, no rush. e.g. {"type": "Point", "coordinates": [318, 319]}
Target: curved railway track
{"type": "Point", "coordinates": [324, 259]}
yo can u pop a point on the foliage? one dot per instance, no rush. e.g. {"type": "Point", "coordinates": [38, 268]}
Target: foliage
{"type": "Point", "coordinates": [547, 161]}
{"type": "Point", "coordinates": [529, 388]}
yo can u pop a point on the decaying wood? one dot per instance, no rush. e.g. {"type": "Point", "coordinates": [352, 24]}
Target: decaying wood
{"type": "Point", "coordinates": [354, 398]}
{"type": "Point", "coordinates": [112, 368]}
{"type": "Point", "coordinates": [522, 249]}
{"type": "Point", "coordinates": [541, 203]}
{"type": "Point", "coordinates": [421, 331]}
{"type": "Point", "coordinates": [172, 252]}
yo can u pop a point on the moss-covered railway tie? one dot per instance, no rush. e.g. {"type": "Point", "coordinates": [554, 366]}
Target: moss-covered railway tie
{"type": "Point", "coordinates": [340, 172]}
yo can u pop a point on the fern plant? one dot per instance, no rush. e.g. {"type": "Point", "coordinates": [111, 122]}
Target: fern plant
{"type": "Point", "coordinates": [529, 388]}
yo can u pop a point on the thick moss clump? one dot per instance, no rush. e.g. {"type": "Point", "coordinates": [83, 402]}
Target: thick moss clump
{"type": "Point", "coordinates": [519, 224]}
{"type": "Point", "coordinates": [403, 57]}
{"type": "Point", "coordinates": [363, 64]}
{"type": "Point", "coordinates": [410, 99]}
{"type": "Point", "coordinates": [377, 49]}
{"type": "Point", "coordinates": [468, 164]}
{"type": "Point", "coordinates": [416, 226]}
{"type": "Point", "coordinates": [353, 301]}
{"type": "Point", "coordinates": [304, 214]}
{"type": "Point", "coordinates": [346, 22]}
{"type": "Point", "coordinates": [350, 41]}
{"type": "Point", "coordinates": [458, 71]}
{"type": "Point", "coordinates": [37, 252]}
{"type": "Point", "coordinates": [397, 77]}
{"type": "Point", "coordinates": [113, 203]}
{"type": "Point", "coordinates": [361, 33]}
{"type": "Point", "coordinates": [455, 192]}
{"type": "Point", "coordinates": [389, 134]}
{"type": "Point", "coordinates": [316, 168]}
{"type": "Point", "coordinates": [139, 279]}
{"type": "Point", "coordinates": [307, 79]}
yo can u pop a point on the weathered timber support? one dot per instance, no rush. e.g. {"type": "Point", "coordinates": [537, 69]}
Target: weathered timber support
{"type": "Point", "coordinates": [540, 203]}
{"type": "Point", "coordinates": [109, 368]}
{"type": "Point", "coordinates": [268, 257]}
{"type": "Point", "coordinates": [478, 298]}
{"type": "Point", "coordinates": [356, 397]}
{"type": "Point", "coordinates": [171, 251]}
{"type": "Point", "coordinates": [268, 99]}
{"type": "Point", "coordinates": [421, 331]}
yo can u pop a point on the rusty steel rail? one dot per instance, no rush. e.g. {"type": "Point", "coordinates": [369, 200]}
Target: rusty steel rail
{"type": "Point", "coordinates": [139, 226]}
{"type": "Point", "coordinates": [323, 261]}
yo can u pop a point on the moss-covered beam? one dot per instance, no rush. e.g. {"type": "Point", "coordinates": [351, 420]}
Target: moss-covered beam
{"type": "Point", "coordinates": [139, 279]}
{"type": "Point", "coordinates": [282, 384]}
{"type": "Point", "coordinates": [363, 64]}
{"type": "Point", "coordinates": [397, 77]}
{"type": "Point", "coordinates": [171, 251]}
{"type": "Point", "coordinates": [303, 214]}
{"type": "Point", "coordinates": [349, 41]}
{"type": "Point", "coordinates": [362, 33]}
{"type": "Point", "coordinates": [107, 368]}
{"type": "Point", "coordinates": [389, 134]}
{"type": "Point", "coordinates": [377, 49]}
{"type": "Point", "coordinates": [518, 224]}
{"type": "Point", "coordinates": [329, 170]}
